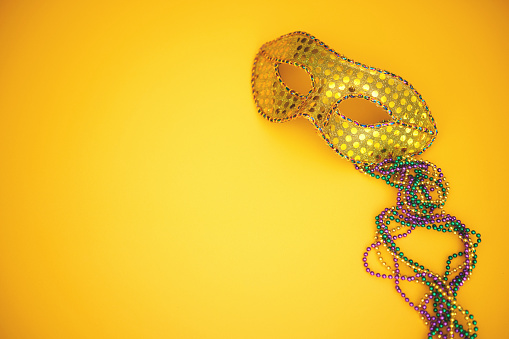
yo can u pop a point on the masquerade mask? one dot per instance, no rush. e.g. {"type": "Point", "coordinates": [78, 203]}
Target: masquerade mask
{"type": "Point", "coordinates": [382, 151]}
{"type": "Point", "coordinates": [335, 78]}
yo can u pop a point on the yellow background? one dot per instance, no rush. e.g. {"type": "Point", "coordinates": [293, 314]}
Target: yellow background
{"type": "Point", "coordinates": [142, 196]}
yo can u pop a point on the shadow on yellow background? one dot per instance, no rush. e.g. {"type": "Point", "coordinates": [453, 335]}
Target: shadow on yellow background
{"type": "Point", "coordinates": [142, 196]}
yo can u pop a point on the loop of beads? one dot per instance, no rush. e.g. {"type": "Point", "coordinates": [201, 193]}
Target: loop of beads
{"type": "Point", "coordinates": [422, 192]}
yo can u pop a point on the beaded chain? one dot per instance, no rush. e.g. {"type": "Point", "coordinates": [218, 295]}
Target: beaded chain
{"type": "Point", "coordinates": [383, 151]}
{"type": "Point", "coordinates": [422, 190]}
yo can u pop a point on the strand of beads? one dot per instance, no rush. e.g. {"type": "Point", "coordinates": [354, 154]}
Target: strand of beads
{"type": "Point", "coordinates": [422, 192]}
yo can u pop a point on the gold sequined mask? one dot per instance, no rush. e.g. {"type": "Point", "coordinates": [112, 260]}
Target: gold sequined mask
{"type": "Point", "coordinates": [383, 151]}
{"type": "Point", "coordinates": [335, 78]}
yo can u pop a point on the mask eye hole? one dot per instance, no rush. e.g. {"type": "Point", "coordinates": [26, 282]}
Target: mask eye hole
{"type": "Point", "coordinates": [295, 78]}
{"type": "Point", "coordinates": [363, 111]}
